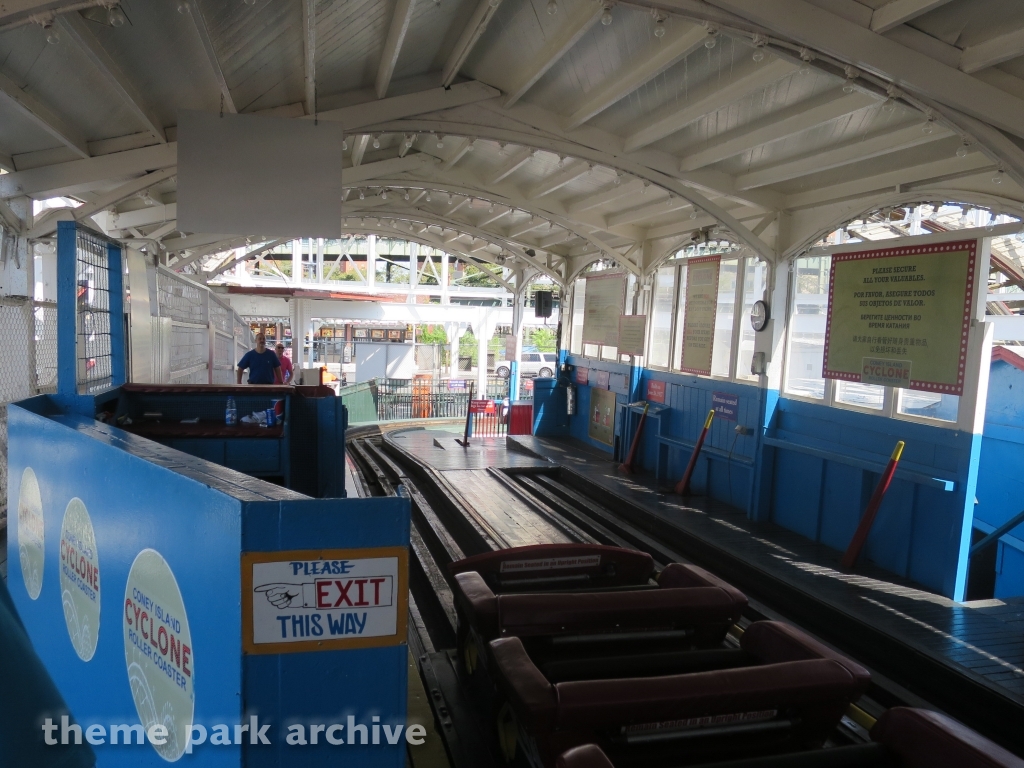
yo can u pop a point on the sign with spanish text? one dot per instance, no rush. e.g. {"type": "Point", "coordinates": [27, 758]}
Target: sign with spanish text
{"type": "Point", "coordinates": [601, 426]}
{"type": "Point", "coordinates": [899, 317]}
{"type": "Point", "coordinates": [318, 600]}
{"type": "Point", "coordinates": [602, 306]}
{"type": "Point", "coordinates": [725, 406]}
{"type": "Point", "coordinates": [632, 334]}
{"type": "Point", "coordinates": [655, 391]}
{"type": "Point", "coordinates": [701, 310]}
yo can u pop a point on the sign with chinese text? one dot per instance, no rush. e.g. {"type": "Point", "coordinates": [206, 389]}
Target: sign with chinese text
{"type": "Point", "coordinates": [900, 316]}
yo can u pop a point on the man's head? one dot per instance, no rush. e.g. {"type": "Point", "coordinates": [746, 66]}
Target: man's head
{"type": "Point", "coordinates": [279, 349]}
{"type": "Point", "coordinates": [261, 342]}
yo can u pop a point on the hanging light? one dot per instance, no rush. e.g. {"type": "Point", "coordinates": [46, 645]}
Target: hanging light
{"type": "Point", "coordinates": [712, 39]}
{"type": "Point", "coordinates": [376, 141]}
{"type": "Point", "coordinates": [52, 35]}
{"type": "Point", "coordinates": [618, 179]}
{"type": "Point", "coordinates": [427, 197]}
{"type": "Point", "coordinates": [643, 189]}
{"type": "Point", "coordinates": [406, 195]}
{"type": "Point", "coordinates": [471, 146]}
{"type": "Point", "coordinates": [449, 198]}
{"type": "Point", "coordinates": [440, 141]}
{"type": "Point", "coordinates": [362, 195]}
{"type": "Point", "coordinates": [659, 28]}
{"type": "Point", "coordinates": [670, 200]}
{"type": "Point", "coordinates": [249, 2]}
{"type": "Point", "coordinates": [606, 17]}
{"type": "Point", "coordinates": [383, 194]}
{"type": "Point", "coordinates": [408, 140]}
{"type": "Point", "coordinates": [561, 161]}
{"type": "Point", "coordinates": [115, 17]}
{"type": "Point", "coordinates": [344, 145]}
{"type": "Point", "coordinates": [552, 8]}
{"type": "Point", "coordinates": [928, 127]}
{"type": "Point", "coordinates": [998, 178]}
{"type": "Point", "coordinates": [502, 149]}
{"type": "Point", "coordinates": [490, 208]}
{"type": "Point", "coordinates": [963, 149]}
{"type": "Point", "coordinates": [758, 55]}
{"type": "Point", "coordinates": [889, 105]}
{"type": "Point", "coordinates": [806, 57]}
{"type": "Point", "coordinates": [693, 213]}
{"type": "Point", "coordinates": [182, 7]}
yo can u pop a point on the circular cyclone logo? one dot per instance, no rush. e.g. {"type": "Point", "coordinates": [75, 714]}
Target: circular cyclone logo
{"type": "Point", "coordinates": [30, 533]}
{"type": "Point", "coordinates": [158, 651]}
{"type": "Point", "coordinates": [80, 579]}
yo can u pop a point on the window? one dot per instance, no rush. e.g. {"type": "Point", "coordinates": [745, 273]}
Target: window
{"type": "Point", "coordinates": [579, 295]}
{"type": "Point", "coordinates": [677, 338]}
{"type": "Point", "coordinates": [721, 352]}
{"type": "Point", "coordinates": [755, 282]}
{"type": "Point", "coordinates": [807, 327]}
{"type": "Point", "coordinates": [661, 317]}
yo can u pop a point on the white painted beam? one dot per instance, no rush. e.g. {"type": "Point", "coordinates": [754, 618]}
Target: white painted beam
{"type": "Point", "coordinates": [231, 262]}
{"type": "Point", "coordinates": [362, 173]}
{"type": "Point", "coordinates": [533, 224]}
{"type": "Point", "coordinates": [465, 145]}
{"type": "Point", "coordinates": [648, 210]}
{"type": "Point", "coordinates": [43, 116]}
{"type": "Point", "coordinates": [410, 104]}
{"type": "Point", "coordinates": [663, 55]}
{"type": "Point", "coordinates": [49, 225]}
{"type": "Point", "coordinates": [65, 178]}
{"type": "Point", "coordinates": [471, 33]}
{"type": "Point", "coordinates": [834, 36]}
{"type": "Point", "coordinates": [202, 253]}
{"type": "Point", "coordinates": [196, 14]}
{"type": "Point", "coordinates": [974, 162]}
{"type": "Point", "coordinates": [393, 45]}
{"type": "Point", "coordinates": [517, 160]}
{"type": "Point", "coordinates": [493, 217]}
{"type": "Point", "coordinates": [6, 161]}
{"type": "Point", "coordinates": [166, 229]}
{"type": "Point", "coordinates": [359, 148]}
{"type": "Point", "coordinates": [309, 53]}
{"type": "Point", "coordinates": [897, 12]}
{"type": "Point", "coordinates": [77, 30]}
{"type": "Point", "coordinates": [779, 125]}
{"type": "Point", "coordinates": [991, 52]}
{"type": "Point", "coordinates": [720, 96]}
{"type": "Point", "coordinates": [845, 154]}
{"type": "Point", "coordinates": [598, 199]}
{"type": "Point", "coordinates": [558, 180]}
{"type": "Point", "coordinates": [554, 49]}
{"type": "Point", "coordinates": [143, 217]}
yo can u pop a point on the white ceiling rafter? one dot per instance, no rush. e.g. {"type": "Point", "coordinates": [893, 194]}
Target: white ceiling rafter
{"type": "Point", "coordinates": [675, 119]}
{"type": "Point", "coordinates": [1006, 46]}
{"type": "Point", "coordinates": [43, 116]}
{"type": "Point", "coordinates": [195, 13]}
{"type": "Point", "coordinates": [897, 12]}
{"type": "Point", "coordinates": [853, 44]}
{"type": "Point", "coordinates": [77, 30]}
{"type": "Point", "coordinates": [309, 54]}
{"type": "Point", "coordinates": [786, 122]}
{"type": "Point", "coordinates": [471, 34]}
{"type": "Point", "coordinates": [397, 30]}
{"type": "Point", "coordinates": [231, 261]}
{"type": "Point", "coordinates": [559, 179]}
{"type": "Point", "coordinates": [516, 160]}
{"type": "Point", "coordinates": [554, 49]}
{"type": "Point", "coordinates": [661, 57]}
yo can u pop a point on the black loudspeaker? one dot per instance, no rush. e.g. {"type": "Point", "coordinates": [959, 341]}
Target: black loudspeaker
{"type": "Point", "coordinates": [542, 303]}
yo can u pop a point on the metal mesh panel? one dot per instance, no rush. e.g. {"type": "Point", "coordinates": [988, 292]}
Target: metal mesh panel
{"type": "Point", "coordinates": [179, 299]}
{"type": "Point", "coordinates": [92, 309]}
{"type": "Point", "coordinates": [220, 316]}
{"type": "Point", "coordinates": [16, 379]}
{"type": "Point", "coordinates": [223, 359]}
{"type": "Point", "coordinates": [46, 347]}
{"type": "Point", "coordinates": [188, 354]}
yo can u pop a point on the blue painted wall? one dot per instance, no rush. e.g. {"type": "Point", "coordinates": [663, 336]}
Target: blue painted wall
{"type": "Point", "coordinates": [809, 468]}
{"type": "Point", "coordinates": [199, 517]}
{"type": "Point", "coordinates": [1000, 476]}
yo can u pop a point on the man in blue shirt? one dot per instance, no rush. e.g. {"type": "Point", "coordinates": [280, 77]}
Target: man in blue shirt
{"type": "Point", "coordinates": [263, 365]}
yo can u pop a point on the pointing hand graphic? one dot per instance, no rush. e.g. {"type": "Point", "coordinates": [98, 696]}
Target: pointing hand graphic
{"type": "Point", "coordinates": [288, 595]}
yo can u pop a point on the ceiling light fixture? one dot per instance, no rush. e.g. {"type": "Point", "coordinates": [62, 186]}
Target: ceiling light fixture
{"type": "Point", "coordinates": [362, 195]}
{"type": "Point", "coordinates": [376, 141]}
{"type": "Point", "coordinates": [552, 8]}
{"type": "Point", "coordinates": [115, 17]}
{"type": "Point", "coordinates": [759, 44]}
{"type": "Point", "coordinates": [406, 195]}
{"type": "Point", "coordinates": [806, 57]}
{"type": "Point", "coordinates": [712, 39]}
{"type": "Point", "coordinates": [182, 7]}
{"type": "Point", "coordinates": [851, 75]}
{"type": "Point", "coordinates": [963, 150]}
{"type": "Point", "coordinates": [383, 194]}
{"type": "Point", "coordinates": [606, 17]}
{"type": "Point", "coordinates": [440, 141]}
{"type": "Point", "coordinates": [659, 27]}
{"type": "Point", "coordinates": [344, 145]}
{"type": "Point", "coordinates": [618, 179]}
{"type": "Point", "coordinates": [427, 197]}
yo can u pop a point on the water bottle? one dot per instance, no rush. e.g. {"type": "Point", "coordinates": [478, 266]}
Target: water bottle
{"type": "Point", "coordinates": [231, 414]}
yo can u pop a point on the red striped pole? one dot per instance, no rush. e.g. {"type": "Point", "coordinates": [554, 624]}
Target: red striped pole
{"type": "Point", "coordinates": [683, 486]}
{"type": "Point", "coordinates": [627, 466]}
{"type": "Point", "coordinates": [861, 535]}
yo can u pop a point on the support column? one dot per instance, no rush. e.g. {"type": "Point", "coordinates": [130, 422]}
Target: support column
{"type": "Point", "coordinates": [454, 332]}
{"type": "Point", "coordinates": [297, 262]}
{"type": "Point", "coordinates": [298, 323]}
{"type": "Point", "coordinates": [444, 278]}
{"type": "Point", "coordinates": [482, 337]}
{"type": "Point", "coordinates": [414, 271]}
{"type": "Point", "coordinates": [519, 297]}
{"type": "Point", "coordinates": [371, 261]}
{"type": "Point", "coordinates": [319, 259]}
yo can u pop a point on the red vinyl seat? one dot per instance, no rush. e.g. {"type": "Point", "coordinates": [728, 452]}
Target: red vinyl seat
{"type": "Point", "coordinates": [687, 598]}
{"type": "Point", "coordinates": [791, 698]}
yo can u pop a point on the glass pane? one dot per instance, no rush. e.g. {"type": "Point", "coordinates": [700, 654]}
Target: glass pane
{"type": "Point", "coordinates": [863, 395]}
{"type": "Point", "coordinates": [590, 350]}
{"type": "Point", "coordinates": [677, 344]}
{"type": "Point", "coordinates": [755, 277]}
{"type": "Point", "coordinates": [579, 292]}
{"type": "Point", "coordinates": [609, 353]}
{"type": "Point", "coordinates": [807, 328]}
{"type": "Point", "coordinates": [661, 322]}
{"type": "Point", "coordinates": [630, 294]}
{"type": "Point", "coordinates": [721, 353]}
{"type": "Point", "coordinates": [929, 404]}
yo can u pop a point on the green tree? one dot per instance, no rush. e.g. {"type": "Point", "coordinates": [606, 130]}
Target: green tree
{"type": "Point", "coordinates": [543, 339]}
{"type": "Point", "coordinates": [433, 334]}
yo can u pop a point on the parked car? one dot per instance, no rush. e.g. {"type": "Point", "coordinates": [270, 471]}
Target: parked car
{"type": "Point", "coordinates": [531, 364]}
